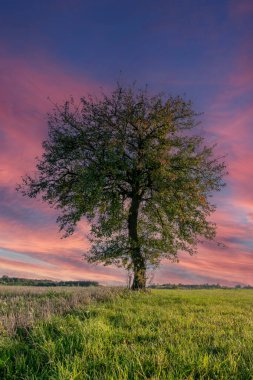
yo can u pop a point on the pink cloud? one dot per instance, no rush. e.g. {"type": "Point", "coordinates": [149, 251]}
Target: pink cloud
{"type": "Point", "coordinates": [230, 124]}
{"type": "Point", "coordinates": [67, 271]}
{"type": "Point", "coordinates": [24, 88]}
{"type": "Point", "coordinates": [24, 91]}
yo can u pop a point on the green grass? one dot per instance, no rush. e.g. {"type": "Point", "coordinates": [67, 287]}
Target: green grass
{"type": "Point", "coordinates": [165, 334]}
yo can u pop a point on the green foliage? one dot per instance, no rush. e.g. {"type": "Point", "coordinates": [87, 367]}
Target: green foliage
{"type": "Point", "coordinates": [168, 334]}
{"type": "Point", "coordinates": [133, 166]}
{"type": "Point", "coordinates": [197, 286]}
{"type": "Point", "coordinates": [6, 280]}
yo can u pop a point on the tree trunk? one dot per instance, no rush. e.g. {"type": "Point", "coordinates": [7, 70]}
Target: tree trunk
{"type": "Point", "coordinates": [139, 265]}
{"type": "Point", "coordinates": [139, 281]}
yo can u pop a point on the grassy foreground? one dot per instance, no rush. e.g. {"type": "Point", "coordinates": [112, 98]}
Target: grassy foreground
{"type": "Point", "coordinates": [166, 334]}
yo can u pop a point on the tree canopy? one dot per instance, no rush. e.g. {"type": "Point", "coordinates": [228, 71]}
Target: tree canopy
{"type": "Point", "coordinates": [133, 165]}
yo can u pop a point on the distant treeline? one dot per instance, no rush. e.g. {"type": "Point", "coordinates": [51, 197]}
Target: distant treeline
{"type": "Point", "coordinates": [5, 280]}
{"type": "Point", "coordinates": [202, 286]}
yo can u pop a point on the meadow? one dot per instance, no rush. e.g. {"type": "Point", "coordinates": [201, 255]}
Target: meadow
{"type": "Point", "coordinates": [106, 334]}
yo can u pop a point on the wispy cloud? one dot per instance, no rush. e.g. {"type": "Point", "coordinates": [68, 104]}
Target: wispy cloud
{"type": "Point", "coordinates": [205, 54]}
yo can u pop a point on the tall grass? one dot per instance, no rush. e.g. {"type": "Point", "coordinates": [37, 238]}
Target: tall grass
{"type": "Point", "coordinates": [22, 306]}
{"type": "Point", "coordinates": [168, 334]}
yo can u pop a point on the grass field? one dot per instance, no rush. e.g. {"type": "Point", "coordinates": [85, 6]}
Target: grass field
{"type": "Point", "coordinates": [112, 334]}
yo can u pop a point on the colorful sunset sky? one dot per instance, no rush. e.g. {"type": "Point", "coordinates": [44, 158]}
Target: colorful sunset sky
{"type": "Point", "coordinates": [53, 49]}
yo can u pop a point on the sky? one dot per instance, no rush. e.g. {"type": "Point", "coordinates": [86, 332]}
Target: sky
{"type": "Point", "coordinates": [53, 49]}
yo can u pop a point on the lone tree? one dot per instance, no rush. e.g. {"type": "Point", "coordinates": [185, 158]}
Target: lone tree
{"type": "Point", "coordinates": [132, 165]}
